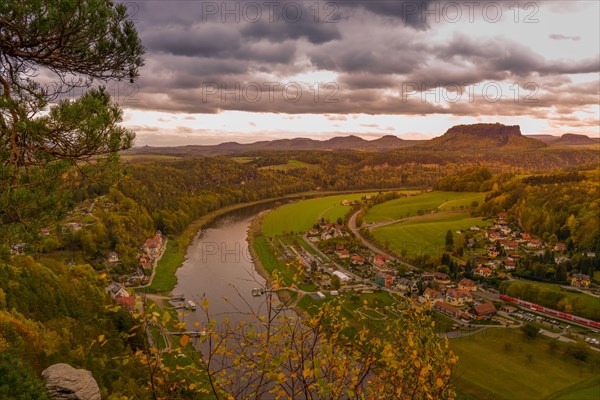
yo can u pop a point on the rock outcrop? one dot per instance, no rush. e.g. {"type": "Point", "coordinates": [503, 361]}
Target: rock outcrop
{"type": "Point", "coordinates": [67, 383]}
{"type": "Point", "coordinates": [482, 137]}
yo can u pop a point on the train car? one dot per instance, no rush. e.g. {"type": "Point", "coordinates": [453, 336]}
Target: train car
{"type": "Point", "coordinates": [550, 311]}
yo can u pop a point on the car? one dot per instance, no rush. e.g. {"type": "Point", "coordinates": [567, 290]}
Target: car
{"type": "Point", "coordinates": [541, 331]}
{"type": "Point", "coordinates": [588, 340]}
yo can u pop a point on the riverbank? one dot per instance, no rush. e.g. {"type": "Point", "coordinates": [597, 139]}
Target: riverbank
{"type": "Point", "coordinates": [254, 231]}
{"type": "Point", "coordinates": [165, 278]}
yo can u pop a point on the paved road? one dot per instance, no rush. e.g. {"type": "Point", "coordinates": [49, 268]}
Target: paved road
{"type": "Point", "coordinates": [354, 229]}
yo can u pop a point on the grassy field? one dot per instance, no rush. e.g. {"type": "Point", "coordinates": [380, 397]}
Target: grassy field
{"type": "Point", "coordinates": [499, 364]}
{"type": "Point", "coordinates": [409, 206]}
{"type": "Point", "coordinates": [300, 216]}
{"type": "Point", "coordinates": [424, 234]}
{"type": "Point", "coordinates": [270, 261]}
{"type": "Point", "coordinates": [586, 390]}
{"type": "Point", "coordinates": [291, 164]}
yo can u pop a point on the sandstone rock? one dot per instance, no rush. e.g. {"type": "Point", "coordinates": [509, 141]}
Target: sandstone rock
{"type": "Point", "coordinates": [67, 383]}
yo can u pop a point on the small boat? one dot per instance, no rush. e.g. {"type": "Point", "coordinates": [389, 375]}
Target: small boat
{"type": "Point", "coordinates": [256, 292]}
{"type": "Point", "coordinates": [191, 305]}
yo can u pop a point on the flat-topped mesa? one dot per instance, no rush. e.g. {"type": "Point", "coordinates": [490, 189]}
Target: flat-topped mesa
{"type": "Point", "coordinates": [574, 139]}
{"type": "Point", "coordinates": [486, 130]}
{"type": "Point", "coordinates": [482, 137]}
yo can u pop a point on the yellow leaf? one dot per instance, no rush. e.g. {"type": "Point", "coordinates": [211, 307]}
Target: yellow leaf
{"type": "Point", "coordinates": [184, 340]}
{"type": "Point", "coordinates": [417, 363]}
{"type": "Point", "coordinates": [101, 338]}
{"type": "Point", "coordinates": [439, 382]}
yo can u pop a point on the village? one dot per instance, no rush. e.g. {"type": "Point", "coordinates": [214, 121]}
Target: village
{"type": "Point", "coordinates": [335, 261]}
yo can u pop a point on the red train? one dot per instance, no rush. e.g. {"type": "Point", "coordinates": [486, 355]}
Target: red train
{"type": "Point", "coordinates": [549, 311]}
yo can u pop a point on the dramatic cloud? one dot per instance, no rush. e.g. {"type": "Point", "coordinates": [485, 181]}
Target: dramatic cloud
{"type": "Point", "coordinates": [335, 58]}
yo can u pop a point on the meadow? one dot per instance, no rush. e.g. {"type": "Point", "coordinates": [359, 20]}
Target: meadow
{"type": "Point", "coordinates": [300, 216]}
{"type": "Point", "coordinates": [500, 364]}
{"type": "Point", "coordinates": [291, 164]}
{"type": "Point", "coordinates": [410, 206]}
{"type": "Point", "coordinates": [424, 234]}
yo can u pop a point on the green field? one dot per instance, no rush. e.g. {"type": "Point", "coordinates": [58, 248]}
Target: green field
{"type": "Point", "coordinates": [291, 164]}
{"type": "Point", "coordinates": [410, 206]}
{"type": "Point", "coordinates": [494, 364]}
{"type": "Point", "coordinates": [299, 217]}
{"type": "Point", "coordinates": [424, 234]}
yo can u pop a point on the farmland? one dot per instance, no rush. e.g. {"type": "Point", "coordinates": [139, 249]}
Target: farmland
{"type": "Point", "coordinates": [410, 206]}
{"type": "Point", "coordinates": [424, 234]}
{"type": "Point", "coordinates": [299, 217]}
{"type": "Point", "coordinates": [500, 364]}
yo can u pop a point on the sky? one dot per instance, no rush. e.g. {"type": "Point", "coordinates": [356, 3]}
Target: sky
{"type": "Point", "coordinates": [219, 71]}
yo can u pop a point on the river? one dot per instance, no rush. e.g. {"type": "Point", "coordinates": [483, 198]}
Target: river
{"type": "Point", "coordinates": [218, 266]}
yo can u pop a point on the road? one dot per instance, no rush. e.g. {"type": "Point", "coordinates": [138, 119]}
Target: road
{"type": "Point", "coordinates": [354, 229]}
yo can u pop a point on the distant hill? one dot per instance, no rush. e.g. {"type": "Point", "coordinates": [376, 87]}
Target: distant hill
{"type": "Point", "coordinates": [351, 142]}
{"type": "Point", "coordinates": [572, 139]}
{"type": "Point", "coordinates": [481, 137]}
{"type": "Point", "coordinates": [544, 138]}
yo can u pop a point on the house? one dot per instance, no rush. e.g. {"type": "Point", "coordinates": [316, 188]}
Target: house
{"type": "Point", "coordinates": [458, 297]}
{"type": "Point", "coordinates": [325, 236]}
{"type": "Point", "coordinates": [345, 202]}
{"type": "Point", "coordinates": [384, 280]}
{"type": "Point", "coordinates": [380, 260]}
{"type": "Point", "coordinates": [153, 245]}
{"type": "Point", "coordinates": [127, 303]}
{"type": "Point", "coordinates": [492, 254]}
{"type": "Point", "coordinates": [112, 257]}
{"type": "Point", "coordinates": [18, 249]}
{"type": "Point", "coordinates": [441, 277]}
{"type": "Point", "coordinates": [357, 260]}
{"type": "Point", "coordinates": [483, 271]}
{"type": "Point", "coordinates": [116, 290]}
{"type": "Point", "coordinates": [485, 310]}
{"type": "Point", "coordinates": [467, 284]}
{"type": "Point", "coordinates": [313, 232]}
{"type": "Point", "coordinates": [525, 236]}
{"type": "Point", "coordinates": [449, 310]}
{"type": "Point", "coordinates": [45, 231]}
{"type": "Point", "coordinates": [580, 280]}
{"type": "Point", "coordinates": [560, 247]}
{"type": "Point", "coordinates": [535, 243]}
{"type": "Point", "coordinates": [343, 253]}
{"type": "Point", "coordinates": [502, 216]}
{"type": "Point", "coordinates": [509, 264]}
{"type": "Point", "coordinates": [407, 285]}
{"type": "Point", "coordinates": [510, 245]}
{"type": "Point", "coordinates": [432, 294]}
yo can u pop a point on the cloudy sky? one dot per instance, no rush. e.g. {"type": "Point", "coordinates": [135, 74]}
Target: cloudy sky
{"type": "Point", "coordinates": [254, 70]}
